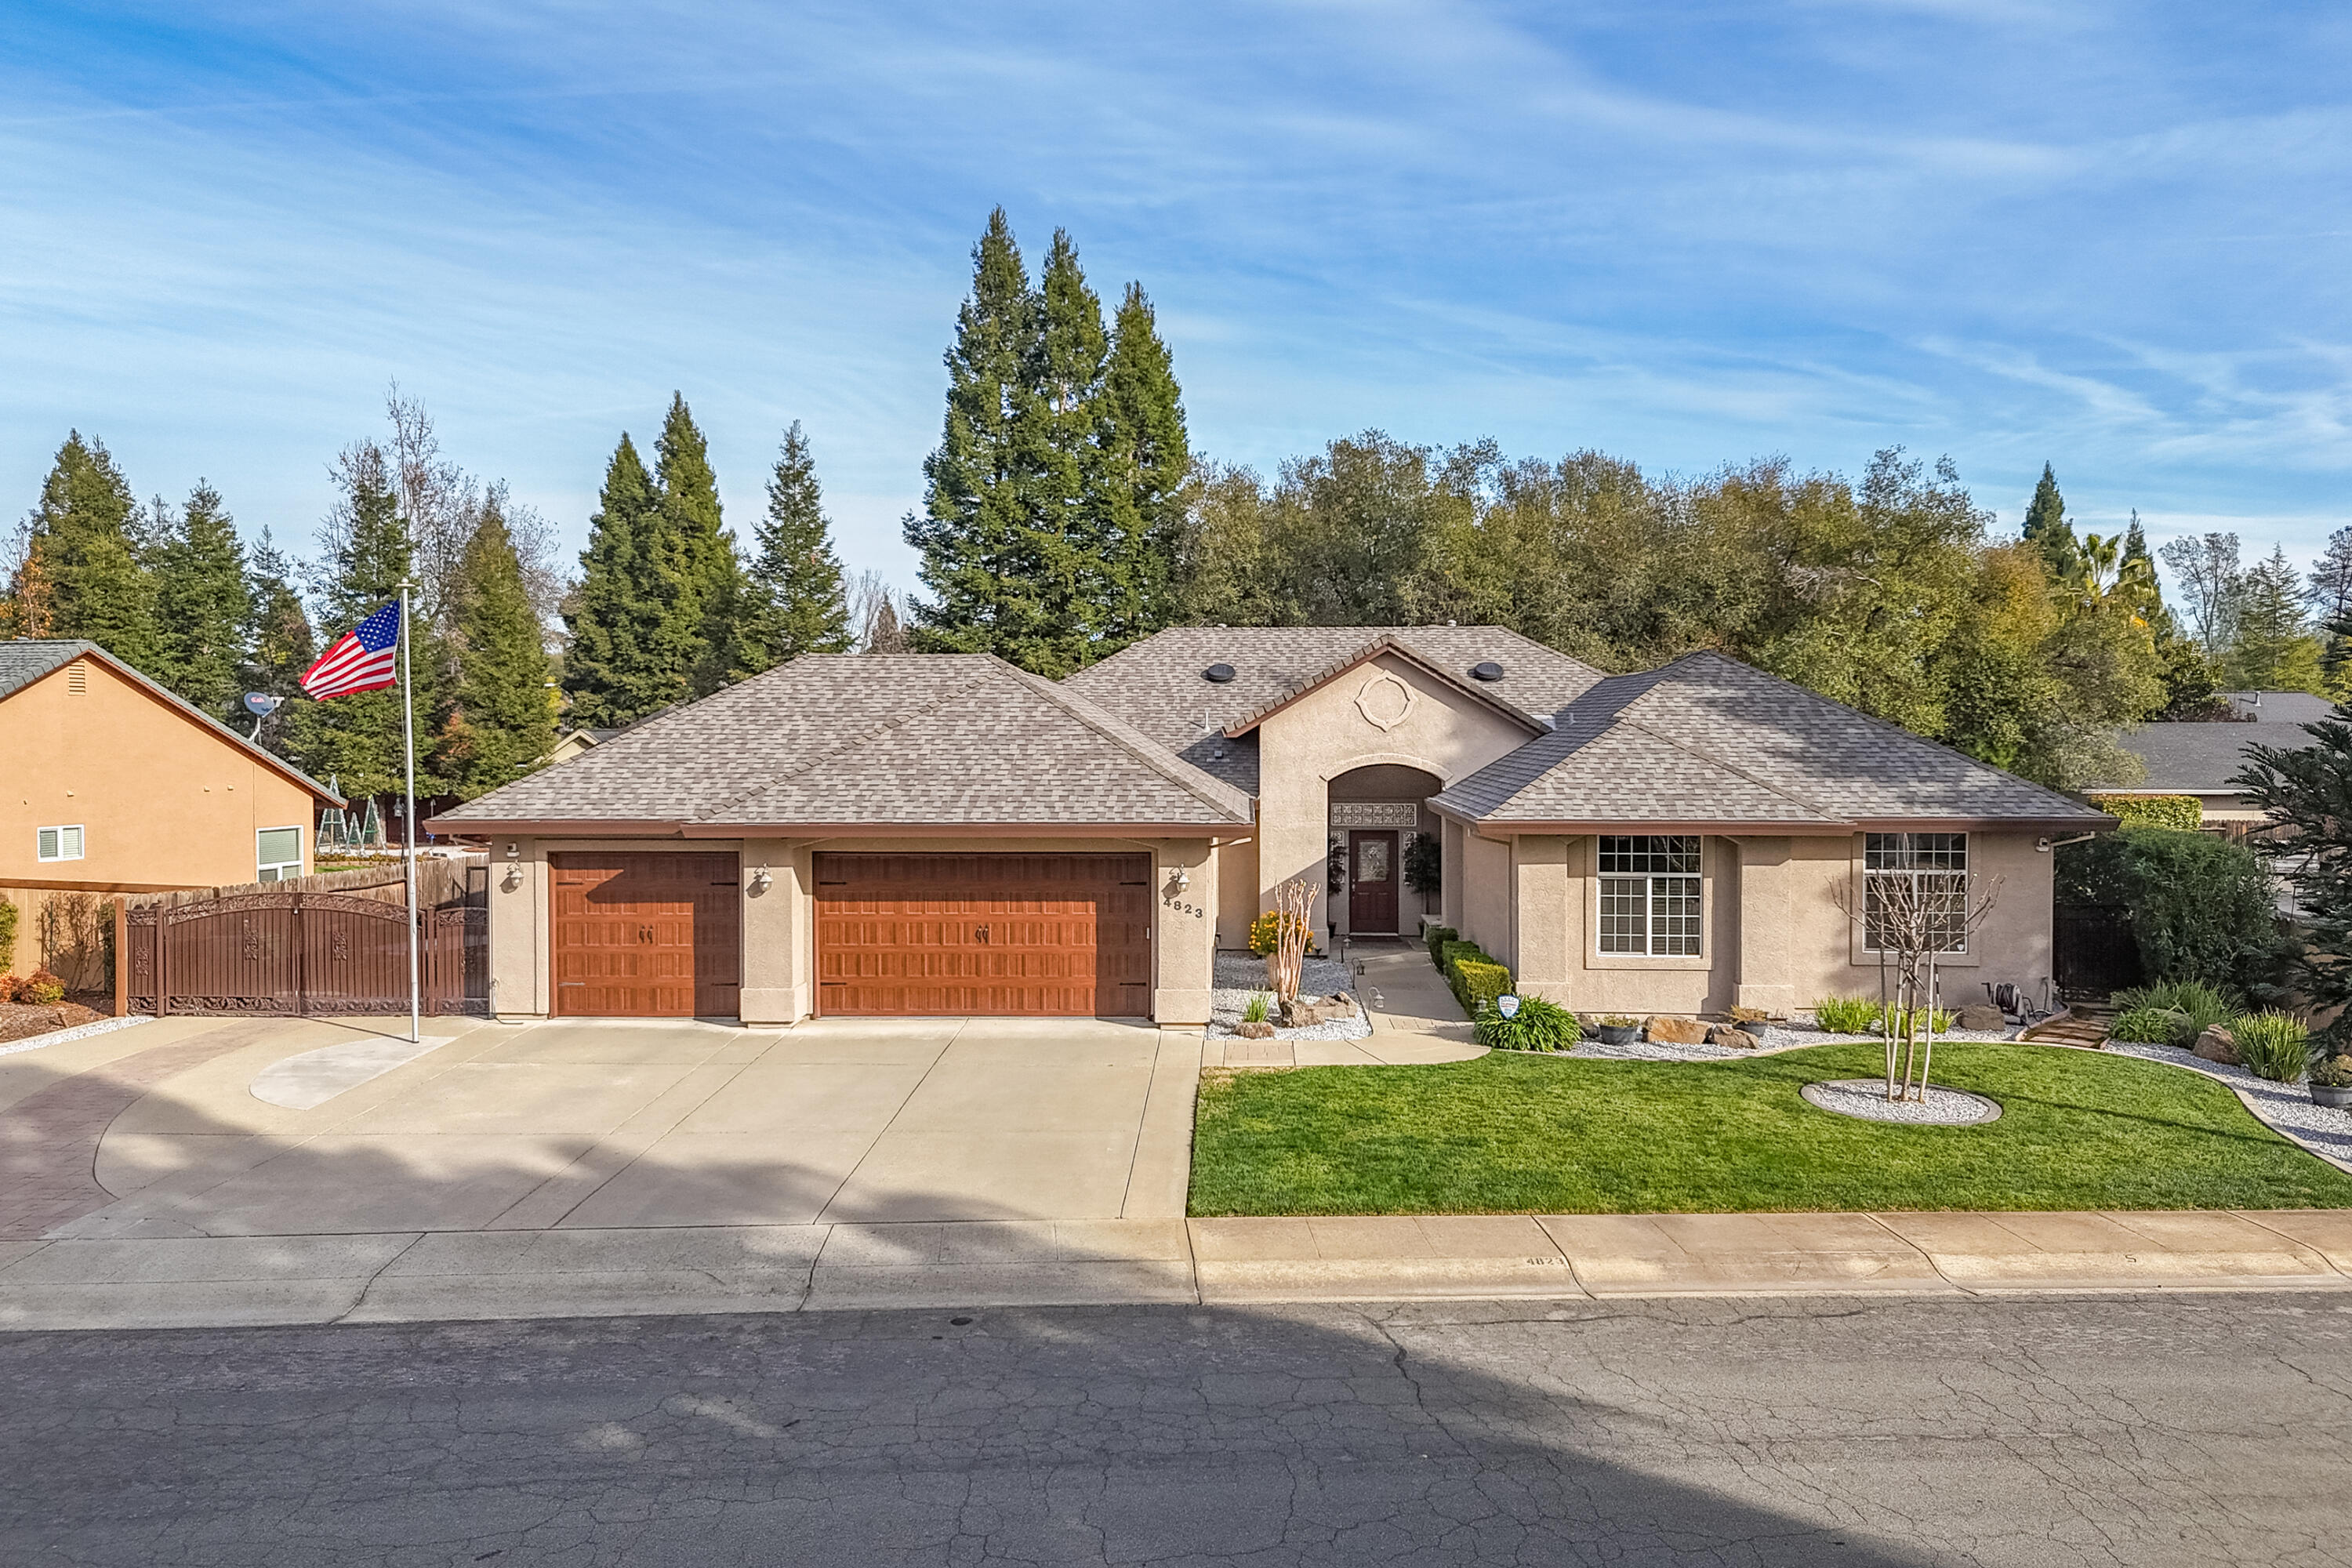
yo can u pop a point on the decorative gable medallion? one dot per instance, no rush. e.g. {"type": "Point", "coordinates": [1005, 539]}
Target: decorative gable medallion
{"type": "Point", "coordinates": [1384, 701]}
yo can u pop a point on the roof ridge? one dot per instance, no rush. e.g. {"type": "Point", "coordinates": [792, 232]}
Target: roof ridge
{"type": "Point", "coordinates": [1110, 727]}
{"type": "Point", "coordinates": [1886, 724]}
{"type": "Point", "coordinates": [863, 737]}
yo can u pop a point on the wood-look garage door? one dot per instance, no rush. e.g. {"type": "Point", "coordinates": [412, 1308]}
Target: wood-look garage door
{"type": "Point", "coordinates": [652, 935]}
{"type": "Point", "coordinates": [1001, 936]}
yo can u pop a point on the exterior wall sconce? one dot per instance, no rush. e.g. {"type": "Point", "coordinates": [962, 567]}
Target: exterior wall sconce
{"type": "Point", "coordinates": [759, 879]}
{"type": "Point", "coordinates": [514, 867]}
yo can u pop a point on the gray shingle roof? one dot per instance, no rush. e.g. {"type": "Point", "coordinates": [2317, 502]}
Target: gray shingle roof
{"type": "Point", "coordinates": [24, 660]}
{"type": "Point", "coordinates": [2198, 759]}
{"type": "Point", "coordinates": [928, 738]}
{"type": "Point", "coordinates": [1707, 738]}
{"type": "Point", "coordinates": [1158, 685]}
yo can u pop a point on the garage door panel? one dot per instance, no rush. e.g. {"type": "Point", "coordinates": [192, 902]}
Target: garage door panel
{"type": "Point", "coordinates": [651, 934]}
{"type": "Point", "coordinates": [1015, 935]}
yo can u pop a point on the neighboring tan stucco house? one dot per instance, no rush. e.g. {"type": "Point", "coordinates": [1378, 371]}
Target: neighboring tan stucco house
{"type": "Point", "coordinates": [945, 834]}
{"type": "Point", "coordinates": [109, 784]}
{"type": "Point", "coordinates": [2202, 759]}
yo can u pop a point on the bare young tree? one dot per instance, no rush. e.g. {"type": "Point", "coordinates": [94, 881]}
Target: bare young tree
{"type": "Point", "coordinates": [877, 614]}
{"type": "Point", "coordinates": [1910, 921]}
{"type": "Point", "coordinates": [2212, 583]}
{"type": "Point", "coordinates": [1294, 904]}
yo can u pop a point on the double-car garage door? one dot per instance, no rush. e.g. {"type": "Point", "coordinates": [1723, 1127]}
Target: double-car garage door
{"type": "Point", "coordinates": [659, 934]}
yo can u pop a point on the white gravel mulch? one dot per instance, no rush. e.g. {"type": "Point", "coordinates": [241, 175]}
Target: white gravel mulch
{"type": "Point", "coordinates": [1771, 1037]}
{"type": "Point", "coordinates": [1864, 1099]}
{"type": "Point", "coordinates": [2285, 1106]}
{"type": "Point", "coordinates": [1241, 975]}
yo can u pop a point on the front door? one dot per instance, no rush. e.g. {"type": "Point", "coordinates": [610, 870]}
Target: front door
{"type": "Point", "coordinates": [1372, 881]}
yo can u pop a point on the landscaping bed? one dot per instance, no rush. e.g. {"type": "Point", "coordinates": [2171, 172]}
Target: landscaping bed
{"type": "Point", "coordinates": [23, 1020]}
{"type": "Point", "coordinates": [1510, 1133]}
{"type": "Point", "coordinates": [1241, 975]}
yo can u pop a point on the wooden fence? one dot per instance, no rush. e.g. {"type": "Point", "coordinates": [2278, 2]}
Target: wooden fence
{"type": "Point", "coordinates": [285, 950]}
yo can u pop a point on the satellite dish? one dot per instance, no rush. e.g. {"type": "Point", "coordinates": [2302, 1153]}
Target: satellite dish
{"type": "Point", "coordinates": [259, 702]}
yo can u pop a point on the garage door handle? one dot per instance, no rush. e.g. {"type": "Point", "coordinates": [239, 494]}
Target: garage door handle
{"type": "Point", "coordinates": [983, 936]}
{"type": "Point", "coordinates": [645, 933]}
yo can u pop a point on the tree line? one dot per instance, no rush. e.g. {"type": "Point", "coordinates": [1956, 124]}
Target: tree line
{"type": "Point", "coordinates": [1064, 516]}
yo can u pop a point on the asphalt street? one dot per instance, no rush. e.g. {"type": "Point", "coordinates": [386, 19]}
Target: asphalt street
{"type": "Point", "coordinates": [2117, 1429]}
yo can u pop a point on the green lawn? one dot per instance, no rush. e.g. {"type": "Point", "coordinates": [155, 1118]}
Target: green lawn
{"type": "Point", "coordinates": [1515, 1134]}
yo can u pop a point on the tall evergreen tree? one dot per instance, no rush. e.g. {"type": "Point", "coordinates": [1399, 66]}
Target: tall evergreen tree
{"type": "Point", "coordinates": [371, 553]}
{"type": "Point", "coordinates": [1067, 528]}
{"type": "Point", "coordinates": [277, 640]}
{"type": "Point", "coordinates": [83, 574]}
{"type": "Point", "coordinates": [503, 724]}
{"type": "Point", "coordinates": [700, 576]}
{"type": "Point", "coordinates": [2273, 649]}
{"type": "Point", "coordinates": [203, 605]}
{"type": "Point", "coordinates": [2330, 594]}
{"type": "Point", "coordinates": [793, 598]}
{"type": "Point", "coordinates": [613, 671]}
{"type": "Point", "coordinates": [1146, 463]}
{"type": "Point", "coordinates": [976, 531]}
{"type": "Point", "coordinates": [2047, 530]}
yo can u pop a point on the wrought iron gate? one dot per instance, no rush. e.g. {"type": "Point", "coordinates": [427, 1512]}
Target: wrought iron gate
{"type": "Point", "coordinates": [301, 954]}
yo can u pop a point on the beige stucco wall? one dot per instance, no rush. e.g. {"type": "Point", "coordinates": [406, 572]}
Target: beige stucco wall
{"type": "Point", "coordinates": [1237, 884]}
{"type": "Point", "coordinates": [779, 920]}
{"type": "Point", "coordinates": [1489, 916]}
{"type": "Point", "coordinates": [162, 801]}
{"type": "Point", "coordinates": [1386, 712]}
{"type": "Point", "coordinates": [1774, 934]}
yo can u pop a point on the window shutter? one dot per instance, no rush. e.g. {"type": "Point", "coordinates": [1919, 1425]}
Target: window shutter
{"type": "Point", "coordinates": [49, 847]}
{"type": "Point", "coordinates": [72, 837]}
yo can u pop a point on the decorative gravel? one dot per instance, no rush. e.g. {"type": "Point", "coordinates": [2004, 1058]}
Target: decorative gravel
{"type": "Point", "coordinates": [1864, 1099]}
{"type": "Point", "coordinates": [79, 1032]}
{"type": "Point", "coordinates": [2286, 1107]}
{"type": "Point", "coordinates": [1654, 1051]}
{"type": "Point", "coordinates": [1770, 1038]}
{"type": "Point", "coordinates": [1241, 975]}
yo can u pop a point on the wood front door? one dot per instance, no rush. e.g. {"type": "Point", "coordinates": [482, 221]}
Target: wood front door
{"type": "Point", "coordinates": [651, 935]}
{"type": "Point", "coordinates": [992, 935]}
{"type": "Point", "coordinates": [1372, 880]}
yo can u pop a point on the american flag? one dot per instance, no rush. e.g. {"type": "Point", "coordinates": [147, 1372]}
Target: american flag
{"type": "Point", "coordinates": [361, 658]}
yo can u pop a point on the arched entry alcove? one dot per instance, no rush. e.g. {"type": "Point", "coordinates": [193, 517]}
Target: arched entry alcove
{"type": "Point", "coordinates": [1376, 814]}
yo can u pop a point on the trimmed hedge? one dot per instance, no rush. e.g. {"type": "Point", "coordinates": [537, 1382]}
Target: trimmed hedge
{"type": "Point", "coordinates": [1438, 937]}
{"type": "Point", "coordinates": [2183, 813]}
{"type": "Point", "coordinates": [1475, 978]}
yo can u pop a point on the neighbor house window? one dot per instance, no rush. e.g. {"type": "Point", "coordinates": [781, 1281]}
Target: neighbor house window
{"type": "Point", "coordinates": [1650, 895]}
{"type": "Point", "coordinates": [1928, 871]}
{"type": "Point", "coordinates": [280, 854]}
{"type": "Point", "coordinates": [58, 843]}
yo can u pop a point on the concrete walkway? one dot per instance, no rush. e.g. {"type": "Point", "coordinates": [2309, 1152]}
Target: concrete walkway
{"type": "Point", "coordinates": [1414, 1015]}
{"type": "Point", "coordinates": [410, 1277]}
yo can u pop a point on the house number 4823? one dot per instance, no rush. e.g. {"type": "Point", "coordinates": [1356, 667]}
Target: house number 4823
{"type": "Point", "coordinates": [1183, 908]}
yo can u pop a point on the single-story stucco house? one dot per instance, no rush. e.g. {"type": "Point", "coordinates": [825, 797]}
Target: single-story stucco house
{"type": "Point", "coordinates": [2201, 759]}
{"type": "Point", "coordinates": [945, 834]}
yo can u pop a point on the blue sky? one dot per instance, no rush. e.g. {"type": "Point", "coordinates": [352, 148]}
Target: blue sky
{"type": "Point", "coordinates": [2112, 236]}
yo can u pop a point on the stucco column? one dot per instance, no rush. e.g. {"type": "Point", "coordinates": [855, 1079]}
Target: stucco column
{"type": "Point", "coordinates": [520, 913]}
{"type": "Point", "coordinates": [776, 933]}
{"type": "Point", "coordinates": [1544, 905]}
{"type": "Point", "coordinates": [1294, 838]}
{"type": "Point", "coordinates": [1185, 930]}
{"type": "Point", "coordinates": [1768, 924]}
{"type": "Point", "coordinates": [1453, 867]}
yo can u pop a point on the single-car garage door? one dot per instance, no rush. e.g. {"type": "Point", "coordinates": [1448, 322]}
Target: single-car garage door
{"type": "Point", "coordinates": [1002, 935]}
{"type": "Point", "coordinates": [652, 935]}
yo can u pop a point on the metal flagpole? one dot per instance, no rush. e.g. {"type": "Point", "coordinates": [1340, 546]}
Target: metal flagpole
{"type": "Point", "coordinates": [408, 746]}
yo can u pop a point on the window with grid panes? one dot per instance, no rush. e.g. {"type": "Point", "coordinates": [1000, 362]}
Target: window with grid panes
{"type": "Point", "coordinates": [1650, 894]}
{"type": "Point", "coordinates": [1936, 864]}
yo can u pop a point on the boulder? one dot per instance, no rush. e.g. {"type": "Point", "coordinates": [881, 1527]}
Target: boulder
{"type": "Point", "coordinates": [1678, 1031]}
{"type": "Point", "coordinates": [1308, 1011]}
{"type": "Point", "coordinates": [1255, 1031]}
{"type": "Point", "coordinates": [1982, 1017]}
{"type": "Point", "coordinates": [2217, 1044]}
{"type": "Point", "coordinates": [1731, 1034]}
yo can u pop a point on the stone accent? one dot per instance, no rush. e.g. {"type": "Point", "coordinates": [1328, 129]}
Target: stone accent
{"type": "Point", "coordinates": [2217, 1044]}
{"type": "Point", "coordinates": [1737, 1038]}
{"type": "Point", "coordinates": [1308, 1011]}
{"type": "Point", "coordinates": [1982, 1017]}
{"type": "Point", "coordinates": [1255, 1031]}
{"type": "Point", "coordinates": [1678, 1031]}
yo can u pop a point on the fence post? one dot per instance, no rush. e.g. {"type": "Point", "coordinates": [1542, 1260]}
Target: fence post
{"type": "Point", "coordinates": [301, 959]}
{"type": "Point", "coordinates": [163, 982]}
{"type": "Point", "coordinates": [122, 960]}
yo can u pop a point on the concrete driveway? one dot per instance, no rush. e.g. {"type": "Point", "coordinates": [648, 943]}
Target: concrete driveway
{"type": "Point", "coordinates": [167, 1129]}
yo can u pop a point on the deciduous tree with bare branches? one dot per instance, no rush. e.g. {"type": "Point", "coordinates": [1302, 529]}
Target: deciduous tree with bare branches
{"type": "Point", "coordinates": [1910, 921]}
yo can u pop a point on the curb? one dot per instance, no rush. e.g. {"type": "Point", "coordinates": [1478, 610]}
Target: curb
{"type": "Point", "coordinates": [79, 1032]}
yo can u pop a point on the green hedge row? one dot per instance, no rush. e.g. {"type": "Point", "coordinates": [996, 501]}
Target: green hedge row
{"type": "Point", "coordinates": [1475, 978]}
{"type": "Point", "coordinates": [2181, 812]}
{"type": "Point", "coordinates": [1438, 937]}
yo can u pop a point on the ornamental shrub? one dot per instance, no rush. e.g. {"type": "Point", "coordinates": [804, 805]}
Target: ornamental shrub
{"type": "Point", "coordinates": [1254, 1011]}
{"type": "Point", "coordinates": [2272, 1045]}
{"type": "Point", "coordinates": [1438, 937]}
{"type": "Point", "coordinates": [1424, 864]}
{"type": "Point", "coordinates": [1265, 932]}
{"type": "Point", "coordinates": [41, 988]}
{"type": "Point", "coordinates": [2199, 1006]}
{"type": "Point", "coordinates": [1846, 1015]}
{"type": "Point", "coordinates": [1539, 1025]}
{"type": "Point", "coordinates": [7, 935]}
{"type": "Point", "coordinates": [1474, 976]}
{"type": "Point", "coordinates": [2181, 812]}
{"type": "Point", "coordinates": [2202, 907]}
{"type": "Point", "coordinates": [2151, 1026]}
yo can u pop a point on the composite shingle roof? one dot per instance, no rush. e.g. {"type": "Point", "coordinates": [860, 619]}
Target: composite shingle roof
{"type": "Point", "coordinates": [1707, 739]}
{"type": "Point", "coordinates": [1160, 685]}
{"type": "Point", "coordinates": [2198, 758]}
{"type": "Point", "coordinates": [917, 739]}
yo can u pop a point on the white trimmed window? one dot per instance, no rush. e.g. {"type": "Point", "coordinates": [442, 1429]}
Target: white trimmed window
{"type": "Point", "coordinates": [279, 854]}
{"type": "Point", "coordinates": [1650, 894]}
{"type": "Point", "coordinates": [1933, 867]}
{"type": "Point", "coordinates": [58, 843]}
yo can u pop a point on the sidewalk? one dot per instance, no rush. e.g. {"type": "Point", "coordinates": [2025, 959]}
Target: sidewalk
{"type": "Point", "coordinates": [435, 1276]}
